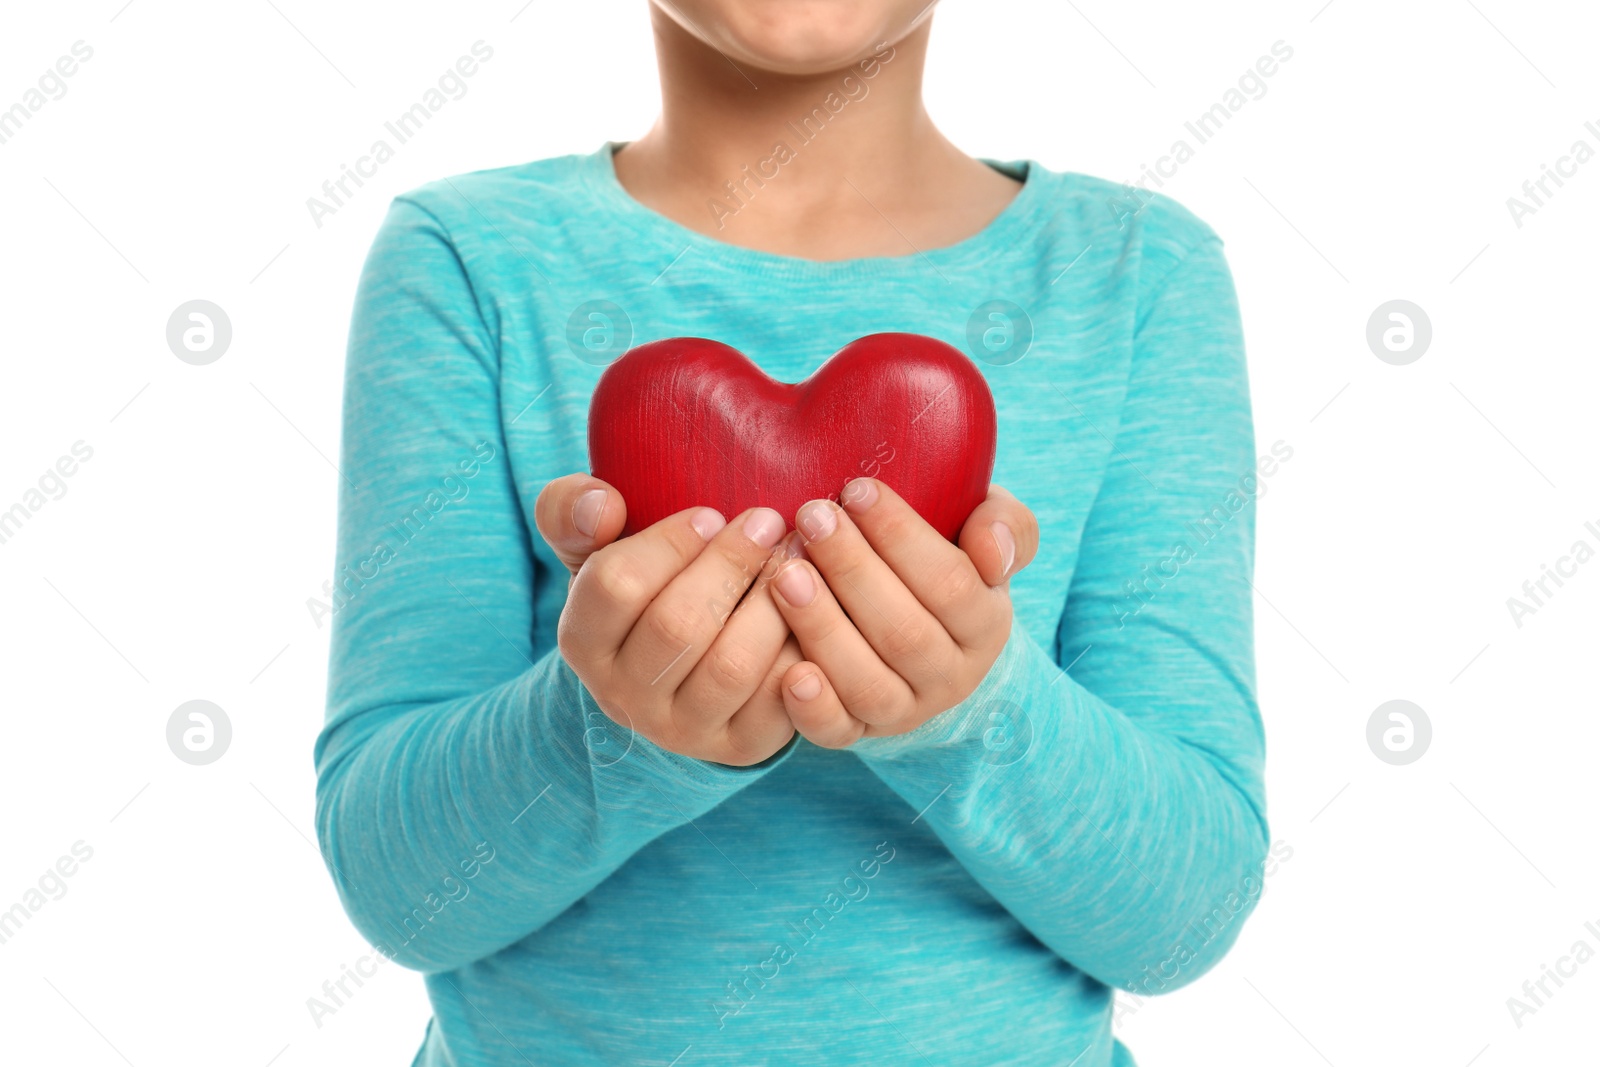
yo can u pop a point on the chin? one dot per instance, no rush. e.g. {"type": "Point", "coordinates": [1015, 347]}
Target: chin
{"type": "Point", "coordinates": [796, 37]}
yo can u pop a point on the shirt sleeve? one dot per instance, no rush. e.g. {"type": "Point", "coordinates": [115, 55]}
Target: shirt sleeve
{"type": "Point", "coordinates": [1118, 811]}
{"type": "Point", "coordinates": [458, 756]}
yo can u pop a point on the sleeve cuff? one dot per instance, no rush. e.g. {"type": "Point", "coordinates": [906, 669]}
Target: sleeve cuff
{"type": "Point", "coordinates": [704, 773]}
{"type": "Point", "coordinates": [615, 749]}
{"type": "Point", "coordinates": [993, 721]}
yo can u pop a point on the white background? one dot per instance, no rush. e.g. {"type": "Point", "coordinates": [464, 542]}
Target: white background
{"type": "Point", "coordinates": [178, 564]}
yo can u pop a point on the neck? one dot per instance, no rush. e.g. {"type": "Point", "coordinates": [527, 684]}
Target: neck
{"type": "Point", "coordinates": [737, 151]}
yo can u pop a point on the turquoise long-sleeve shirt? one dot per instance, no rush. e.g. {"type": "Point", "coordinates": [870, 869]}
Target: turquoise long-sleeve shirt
{"type": "Point", "coordinates": [967, 893]}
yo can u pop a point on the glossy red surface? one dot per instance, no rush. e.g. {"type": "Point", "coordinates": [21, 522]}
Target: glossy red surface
{"type": "Point", "coordinates": [687, 421]}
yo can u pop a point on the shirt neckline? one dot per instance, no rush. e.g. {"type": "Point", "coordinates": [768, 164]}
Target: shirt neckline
{"type": "Point", "coordinates": [997, 238]}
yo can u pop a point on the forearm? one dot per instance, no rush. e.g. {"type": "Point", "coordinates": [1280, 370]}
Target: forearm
{"type": "Point", "coordinates": [1114, 844]}
{"type": "Point", "coordinates": [457, 828]}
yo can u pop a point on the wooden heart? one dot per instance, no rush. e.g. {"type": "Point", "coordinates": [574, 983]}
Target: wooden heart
{"type": "Point", "coordinates": [686, 421]}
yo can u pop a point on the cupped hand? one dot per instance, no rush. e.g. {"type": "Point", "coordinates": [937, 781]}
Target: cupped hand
{"type": "Point", "coordinates": [896, 623]}
{"type": "Point", "coordinates": [657, 625]}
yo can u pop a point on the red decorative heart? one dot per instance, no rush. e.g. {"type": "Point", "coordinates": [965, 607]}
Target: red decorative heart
{"type": "Point", "coordinates": [686, 421]}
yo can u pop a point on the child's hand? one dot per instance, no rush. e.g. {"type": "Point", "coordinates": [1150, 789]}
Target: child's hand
{"type": "Point", "coordinates": [926, 619]}
{"type": "Point", "coordinates": [646, 625]}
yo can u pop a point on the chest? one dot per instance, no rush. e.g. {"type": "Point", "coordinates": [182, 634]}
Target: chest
{"type": "Point", "coordinates": [1057, 374]}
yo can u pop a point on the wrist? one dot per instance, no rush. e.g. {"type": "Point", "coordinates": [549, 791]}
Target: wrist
{"type": "Point", "coordinates": [990, 720]}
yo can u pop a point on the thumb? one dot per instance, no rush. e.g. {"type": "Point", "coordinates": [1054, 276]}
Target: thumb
{"type": "Point", "coordinates": [578, 515]}
{"type": "Point", "coordinates": [1001, 536]}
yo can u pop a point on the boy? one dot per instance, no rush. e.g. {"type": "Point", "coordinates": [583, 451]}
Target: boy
{"type": "Point", "coordinates": [866, 817]}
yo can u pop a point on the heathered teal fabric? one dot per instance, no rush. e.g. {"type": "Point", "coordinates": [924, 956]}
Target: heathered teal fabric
{"type": "Point", "coordinates": [963, 894]}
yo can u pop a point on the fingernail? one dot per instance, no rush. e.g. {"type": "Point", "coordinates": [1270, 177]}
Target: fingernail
{"type": "Point", "coordinates": [586, 511]}
{"type": "Point", "coordinates": [817, 520]}
{"type": "Point", "coordinates": [1006, 544]}
{"type": "Point", "coordinates": [795, 583]}
{"type": "Point", "coordinates": [807, 688]}
{"type": "Point", "coordinates": [789, 548]}
{"type": "Point", "coordinates": [859, 495]}
{"type": "Point", "coordinates": [764, 527]}
{"type": "Point", "coordinates": [706, 522]}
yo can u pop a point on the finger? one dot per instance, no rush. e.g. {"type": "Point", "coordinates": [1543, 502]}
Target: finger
{"type": "Point", "coordinates": [1001, 536]}
{"type": "Point", "coordinates": [939, 574]}
{"type": "Point", "coordinates": [577, 515]}
{"type": "Point", "coordinates": [815, 709]}
{"type": "Point", "coordinates": [868, 688]}
{"type": "Point", "coordinates": [742, 655]}
{"type": "Point", "coordinates": [762, 725]}
{"type": "Point", "coordinates": [616, 584]}
{"type": "Point", "coordinates": [682, 621]}
{"type": "Point", "coordinates": [903, 632]}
